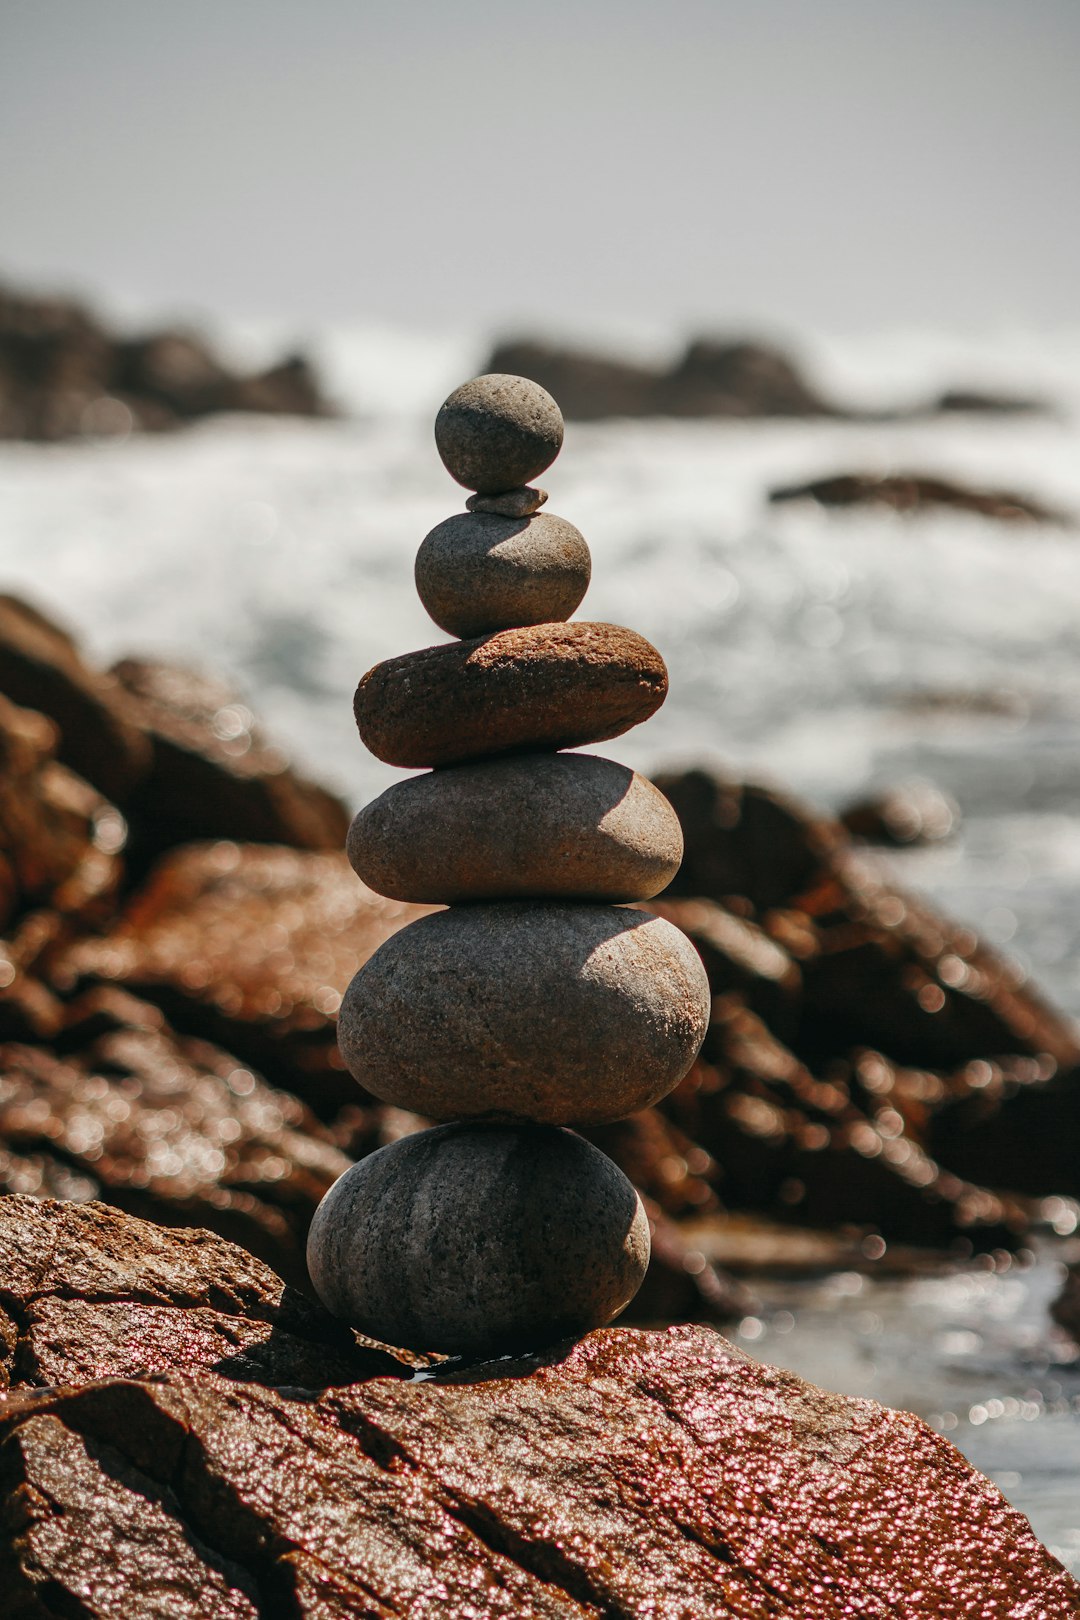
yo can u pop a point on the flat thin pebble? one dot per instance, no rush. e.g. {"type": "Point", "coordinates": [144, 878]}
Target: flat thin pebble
{"type": "Point", "coordinates": [512, 503]}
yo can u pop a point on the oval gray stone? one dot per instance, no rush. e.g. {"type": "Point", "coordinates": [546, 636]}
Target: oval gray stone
{"type": "Point", "coordinates": [561, 1014]}
{"type": "Point", "coordinates": [477, 1240]}
{"type": "Point", "coordinates": [479, 572]}
{"type": "Point", "coordinates": [498, 432]}
{"type": "Point", "coordinates": [547, 826]}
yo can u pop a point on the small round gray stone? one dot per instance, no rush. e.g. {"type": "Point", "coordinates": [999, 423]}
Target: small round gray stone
{"type": "Point", "coordinates": [514, 503]}
{"type": "Point", "coordinates": [498, 432]}
{"type": "Point", "coordinates": [546, 826]}
{"type": "Point", "coordinates": [476, 572]}
{"type": "Point", "coordinates": [557, 1013]}
{"type": "Point", "coordinates": [479, 1241]}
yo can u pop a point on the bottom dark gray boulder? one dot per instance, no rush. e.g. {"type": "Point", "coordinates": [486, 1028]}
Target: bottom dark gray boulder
{"type": "Point", "coordinates": [479, 1240]}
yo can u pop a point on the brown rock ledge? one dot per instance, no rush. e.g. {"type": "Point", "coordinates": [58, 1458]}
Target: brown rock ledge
{"type": "Point", "coordinates": [629, 1474]}
{"type": "Point", "coordinates": [212, 772]}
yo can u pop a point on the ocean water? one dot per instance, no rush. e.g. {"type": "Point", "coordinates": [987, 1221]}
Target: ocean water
{"type": "Point", "coordinates": [830, 652]}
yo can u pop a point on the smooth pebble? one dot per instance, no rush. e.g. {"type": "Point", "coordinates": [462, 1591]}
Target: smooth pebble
{"type": "Point", "coordinates": [567, 826]}
{"type": "Point", "coordinates": [544, 1011]}
{"type": "Point", "coordinates": [498, 432]}
{"type": "Point", "coordinates": [476, 572]}
{"type": "Point", "coordinates": [542, 686]}
{"type": "Point", "coordinates": [477, 1240]}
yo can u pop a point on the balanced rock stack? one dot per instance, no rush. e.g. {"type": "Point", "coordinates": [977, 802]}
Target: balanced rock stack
{"type": "Point", "coordinates": [537, 1000]}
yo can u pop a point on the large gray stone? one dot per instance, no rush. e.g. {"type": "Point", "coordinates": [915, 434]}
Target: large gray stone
{"type": "Point", "coordinates": [479, 572]}
{"type": "Point", "coordinates": [479, 1240]}
{"type": "Point", "coordinates": [541, 686]}
{"type": "Point", "coordinates": [546, 826]}
{"type": "Point", "coordinates": [498, 432]}
{"type": "Point", "coordinates": [563, 1014]}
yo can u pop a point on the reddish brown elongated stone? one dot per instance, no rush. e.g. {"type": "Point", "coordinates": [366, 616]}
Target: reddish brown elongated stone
{"type": "Point", "coordinates": [545, 686]}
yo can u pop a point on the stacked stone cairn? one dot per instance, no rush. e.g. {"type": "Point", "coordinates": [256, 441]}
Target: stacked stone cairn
{"type": "Point", "coordinates": [538, 999]}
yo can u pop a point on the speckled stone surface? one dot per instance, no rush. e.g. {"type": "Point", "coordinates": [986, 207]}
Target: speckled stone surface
{"type": "Point", "coordinates": [543, 686]}
{"type": "Point", "coordinates": [567, 826]}
{"type": "Point", "coordinates": [511, 503]}
{"type": "Point", "coordinates": [478, 572]}
{"type": "Point", "coordinates": [470, 1239]}
{"type": "Point", "coordinates": [498, 432]}
{"type": "Point", "coordinates": [559, 1013]}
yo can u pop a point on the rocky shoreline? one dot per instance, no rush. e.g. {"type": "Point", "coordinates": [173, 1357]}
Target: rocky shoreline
{"type": "Point", "coordinates": [65, 375]}
{"type": "Point", "coordinates": [177, 927]}
{"type": "Point", "coordinates": [183, 1435]}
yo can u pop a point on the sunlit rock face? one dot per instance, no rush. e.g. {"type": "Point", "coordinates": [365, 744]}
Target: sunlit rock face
{"type": "Point", "coordinates": [167, 1392]}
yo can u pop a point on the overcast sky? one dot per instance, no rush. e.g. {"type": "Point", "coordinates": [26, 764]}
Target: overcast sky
{"type": "Point", "coordinates": [840, 164]}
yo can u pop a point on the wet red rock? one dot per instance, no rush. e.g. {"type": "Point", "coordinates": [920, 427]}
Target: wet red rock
{"type": "Point", "coordinates": [41, 667]}
{"type": "Point", "coordinates": [167, 1127]}
{"type": "Point", "coordinates": [799, 1148]}
{"type": "Point", "coordinates": [896, 1065]}
{"type": "Point", "coordinates": [746, 840]}
{"type": "Point", "coordinates": [212, 772]}
{"type": "Point", "coordinates": [878, 967]}
{"type": "Point", "coordinates": [251, 947]}
{"type": "Point", "coordinates": [88, 1292]}
{"type": "Point", "coordinates": [666, 1165]}
{"type": "Point", "coordinates": [633, 1473]}
{"type": "Point", "coordinates": [59, 839]}
{"type": "Point", "coordinates": [887, 971]}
